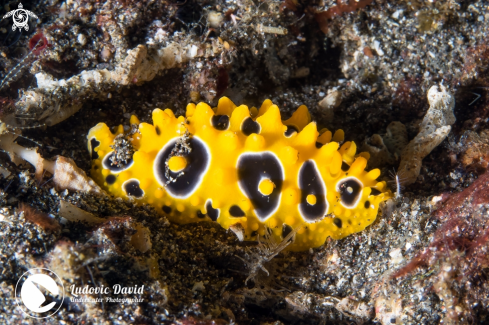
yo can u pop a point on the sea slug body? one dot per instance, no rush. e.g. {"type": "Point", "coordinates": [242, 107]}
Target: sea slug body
{"type": "Point", "coordinates": [243, 168]}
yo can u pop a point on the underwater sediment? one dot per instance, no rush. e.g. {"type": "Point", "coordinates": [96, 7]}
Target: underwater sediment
{"type": "Point", "coordinates": [406, 82]}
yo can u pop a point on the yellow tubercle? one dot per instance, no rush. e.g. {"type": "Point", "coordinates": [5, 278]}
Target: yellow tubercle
{"type": "Point", "coordinates": [253, 112]}
{"type": "Point", "coordinates": [348, 151]}
{"type": "Point", "coordinates": [190, 110]}
{"type": "Point", "coordinates": [339, 136]}
{"type": "Point", "coordinates": [134, 120]}
{"type": "Point", "coordinates": [177, 163]}
{"type": "Point", "coordinates": [373, 174]}
{"type": "Point", "coordinates": [145, 183]}
{"type": "Point", "coordinates": [263, 108]}
{"type": "Point", "coordinates": [270, 122]}
{"type": "Point", "coordinates": [255, 142]}
{"type": "Point", "coordinates": [307, 137]}
{"type": "Point", "coordinates": [327, 151]}
{"type": "Point", "coordinates": [161, 118]}
{"type": "Point", "coordinates": [170, 113]}
{"type": "Point", "coordinates": [289, 155]}
{"type": "Point", "coordinates": [266, 187]}
{"type": "Point", "coordinates": [311, 199]}
{"type": "Point", "coordinates": [365, 155]}
{"type": "Point", "coordinates": [335, 165]}
{"type": "Point", "coordinates": [300, 118]}
{"type": "Point", "coordinates": [159, 193]}
{"type": "Point", "coordinates": [228, 140]}
{"type": "Point", "coordinates": [325, 136]}
{"type": "Point", "coordinates": [237, 117]}
{"type": "Point", "coordinates": [358, 166]}
{"type": "Point", "coordinates": [225, 106]}
{"type": "Point", "coordinates": [291, 196]}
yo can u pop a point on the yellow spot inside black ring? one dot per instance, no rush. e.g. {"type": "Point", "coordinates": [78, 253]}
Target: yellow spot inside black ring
{"type": "Point", "coordinates": [177, 163]}
{"type": "Point", "coordinates": [311, 199]}
{"type": "Point", "coordinates": [266, 187]}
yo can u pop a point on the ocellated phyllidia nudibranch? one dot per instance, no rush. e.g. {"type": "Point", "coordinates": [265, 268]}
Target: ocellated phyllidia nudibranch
{"type": "Point", "coordinates": [242, 168]}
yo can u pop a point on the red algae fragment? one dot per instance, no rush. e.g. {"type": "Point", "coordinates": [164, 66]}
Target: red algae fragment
{"type": "Point", "coordinates": [461, 242]}
{"type": "Point", "coordinates": [463, 237]}
{"type": "Point", "coordinates": [292, 5]}
{"type": "Point", "coordinates": [465, 201]}
{"type": "Point", "coordinates": [447, 238]}
{"type": "Point", "coordinates": [368, 52]}
{"type": "Point", "coordinates": [38, 43]}
{"type": "Point", "coordinates": [324, 17]}
{"type": "Point", "coordinates": [222, 81]}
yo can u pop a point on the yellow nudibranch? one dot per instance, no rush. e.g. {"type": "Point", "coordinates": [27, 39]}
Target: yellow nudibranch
{"type": "Point", "coordinates": [246, 169]}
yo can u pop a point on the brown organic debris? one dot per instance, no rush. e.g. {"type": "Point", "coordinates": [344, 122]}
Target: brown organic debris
{"type": "Point", "coordinates": [68, 176]}
{"type": "Point", "coordinates": [41, 219]}
{"type": "Point", "coordinates": [324, 17]}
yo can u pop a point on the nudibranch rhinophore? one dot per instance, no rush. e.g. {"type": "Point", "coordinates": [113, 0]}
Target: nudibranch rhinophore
{"type": "Point", "coordinates": [244, 168]}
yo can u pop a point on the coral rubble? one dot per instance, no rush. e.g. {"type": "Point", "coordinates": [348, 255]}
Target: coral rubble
{"type": "Point", "coordinates": [433, 129]}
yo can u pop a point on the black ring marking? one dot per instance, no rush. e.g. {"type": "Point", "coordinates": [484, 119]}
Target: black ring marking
{"type": "Point", "coordinates": [110, 179]}
{"type": "Point", "coordinates": [211, 212]}
{"type": "Point", "coordinates": [166, 209]}
{"type": "Point", "coordinates": [220, 122]}
{"type": "Point", "coordinates": [94, 143]}
{"type": "Point", "coordinates": [107, 164]}
{"type": "Point", "coordinates": [338, 223]}
{"type": "Point", "coordinates": [132, 188]}
{"type": "Point", "coordinates": [235, 211]}
{"type": "Point", "coordinates": [319, 144]}
{"type": "Point", "coordinates": [200, 214]}
{"type": "Point", "coordinates": [367, 204]}
{"type": "Point", "coordinates": [310, 182]}
{"type": "Point", "coordinates": [188, 179]}
{"type": "Point", "coordinates": [375, 191]}
{"type": "Point", "coordinates": [350, 190]}
{"type": "Point", "coordinates": [157, 129]}
{"type": "Point", "coordinates": [344, 166]}
{"type": "Point", "coordinates": [249, 126]}
{"type": "Point", "coordinates": [252, 169]}
{"type": "Point", "coordinates": [286, 230]}
{"type": "Point", "coordinates": [290, 131]}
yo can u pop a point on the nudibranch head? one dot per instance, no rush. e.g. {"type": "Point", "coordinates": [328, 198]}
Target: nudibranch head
{"type": "Point", "coordinates": [246, 169]}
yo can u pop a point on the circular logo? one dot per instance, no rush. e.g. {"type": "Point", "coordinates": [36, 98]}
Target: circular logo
{"type": "Point", "coordinates": [39, 292]}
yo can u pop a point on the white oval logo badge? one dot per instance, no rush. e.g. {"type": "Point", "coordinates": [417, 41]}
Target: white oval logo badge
{"type": "Point", "coordinates": [39, 292]}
